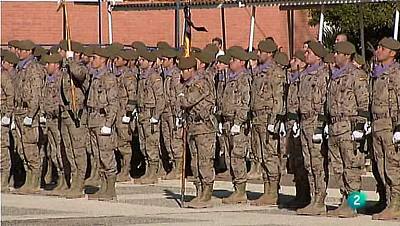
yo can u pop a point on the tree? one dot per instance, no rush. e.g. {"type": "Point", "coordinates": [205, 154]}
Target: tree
{"type": "Point", "coordinates": [345, 18]}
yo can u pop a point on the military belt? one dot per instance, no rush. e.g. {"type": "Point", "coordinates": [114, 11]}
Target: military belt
{"type": "Point", "coordinates": [263, 112]}
{"type": "Point", "coordinates": [377, 116]}
{"type": "Point", "coordinates": [102, 111]}
{"type": "Point", "coordinates": [305, 116]}
{"type": "Point", "coordinates": [335, 119]}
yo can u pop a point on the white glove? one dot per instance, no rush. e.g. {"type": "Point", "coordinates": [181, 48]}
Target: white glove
{"type": "Point", "coordinates": [317, 138]}
{"type": "Point", "coordinates": [326, 131]}
{"type": "Point", "coordinates": [27, 121]}
{"type": "Point", "coordinates": [178, 122]}
{"type": "Point", "coordinates": [357, 135]}
{"type": "Point", "coordinates": [367, 128]}
{"type": "Point", "coordinates": [282, 129]}
{"type": "Point", "coordinates": [181, 95]}
{"type": "Point", "coordinates": [70, 54]}
{"type": "Point", "coordinates": [126, 119]}
{"type": "Point", "coordinates": [105, 130]}
{"type": "Point", "coordinates": [5, 121]}
{"type": "Point", "coordinates": [219, 129]}
{"type": "Point", "coordinates": [235, 129]}
{"type": "Point", "coordinates": [396, 138]}
{"type": "Point", "coordinates": [12, 125]}
{"type": "Point", "coordinates": [271, 128]}
{"type": "Point", "coordinates": [42, 119]}
{"type": "Point", "coordinates": [296, 130]}
{"type": "Point", "coordinates": [153, 120]}
{"type": "Point", "coordinates": [215, 109]}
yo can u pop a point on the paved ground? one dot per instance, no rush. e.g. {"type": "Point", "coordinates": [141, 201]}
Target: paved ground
{"type": "Point", "coordinates": [158, 205]}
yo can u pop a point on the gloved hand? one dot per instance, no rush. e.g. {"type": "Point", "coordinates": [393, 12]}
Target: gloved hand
{"type": "Point", "coordinates": [326, 131]}
{"type": "Point", "coordinates": [178, 122]}
{"type": "Point", "coordinates": [5, 121]}
{"type": "Point", "coordinates": [134, 114]}
{"type": "Point", "coordinates": [296, 130]}
{"type": "Point", "coordinates": [271, 128]}
{"type": "Point", "coordinates": [396, 138]}
{"type": "Point", "coordinates": [357, 135]}
{"type": "Point", "coordinates": [367, 128]}
{"type": "Point", "coordinates": [317, 138]}
{"type": "Point", "coordinates": [27, 121]}
{"type": "Point", "coordinates": [181, 95]}
{"type": "Point", "coordinates": [219, 129]}
{"type": "Point", "coordinates": [235, 129]}
{"type": "Point", "coordinates": [42, 120]}
{"type": "Point", "coordinates": [69, 54]}
{"type": "Point", "coordinates": [153, 120]}
{"type": "Point", "coordinates": [13, 125]}
{"type": "Point", "coordinates": [282, 129]}
{"type": "Point", "coordinates": [105, 130]}
{"type": "Point", "coordinates": [126, 119]}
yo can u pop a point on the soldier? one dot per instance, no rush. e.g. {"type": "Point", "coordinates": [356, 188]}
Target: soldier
{"type": "Point", "coordinates": [197, 102]}
{"type": "Point", "coordinates": [234, 109]}
{"type": "Point", "coordinates": [13, 46]}
{"type": "Point", "coordinates": [386, 125]}
{"type": "Point", "coordinates": [30, 83]}
{"type": "Point", "coordinates": [102, 104]}
{"type": "Point", "coordinates": [267, 105]}
{"type": "Point", "coordinates": [171, 118]}
{"type": "Point", "coordinates": [347, 104]}
{"type": "Point", "coordinates": [9, 60]}
{"type": "Point", "coordinates": [151, 104]}
{"type": "Point", "coordinates": [312, 96]}
{"type": "Point", "coordinates": [296, 160]}
{"type": "Point", "coordinates": [127, 96]}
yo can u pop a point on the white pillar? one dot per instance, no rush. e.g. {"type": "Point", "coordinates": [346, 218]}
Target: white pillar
{"type": "Point", "coordinates": [109, 13]}
{"type": "Point", "coordinates": [396, 25]}
{"type": "Point", "coordinates": [321, 24]}
{"type": "Point", "coordinates": [252, 21]}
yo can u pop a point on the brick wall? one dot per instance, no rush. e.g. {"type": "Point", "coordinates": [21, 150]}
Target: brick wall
{"type": "Point", "coordinates": [40, 22]}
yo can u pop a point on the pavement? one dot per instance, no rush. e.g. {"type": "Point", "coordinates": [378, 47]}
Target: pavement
{"type": "Point", "coordinates": [159, 205]}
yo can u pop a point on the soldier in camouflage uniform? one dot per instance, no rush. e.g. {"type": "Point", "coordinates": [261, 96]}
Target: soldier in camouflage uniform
{"type": "Point", "coordinates": [385, 109]}
{"type": "Point", "coordinates": [234, 109]}
{"type": "Point", "coordinates": [347, 104]}
{"type": "Point", "coordinates": [8, 62]}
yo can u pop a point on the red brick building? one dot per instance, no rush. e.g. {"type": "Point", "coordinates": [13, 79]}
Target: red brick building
{"type": "Point", "coordinates": [39, 21]}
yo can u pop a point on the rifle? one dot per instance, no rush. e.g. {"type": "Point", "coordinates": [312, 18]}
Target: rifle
{"type": "Point", "coordinates": [183, 175]}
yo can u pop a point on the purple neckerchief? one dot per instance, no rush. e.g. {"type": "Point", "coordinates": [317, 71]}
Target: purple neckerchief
{"type": "Point", "coordinates": [23, 64]}
{"type": "Point", "coordinates": [99, 72]}
{"type": "Point", "coordinates": [189, 81]}
{"type": "Point", "coordinates": [146, 73]}
{"type": "Point", "coordinates": [380, 69]}
{"type": "Point", "coordinates": [53, 77]}
{"type": "Point", "coordinates": [312, 68]}
{"type": "Point", "coordinates": [169, 71]}
{"type": "Point", "coordinates": [221, 76]}
{"type": "Point", "coordinates": [263, 66]}
{"type": "Point", "coordinates": [120, 71]}
{"type": "Point", "coordinates": [294, 77]}
{"type": "Point", "coordinates": [340, 72]}
{"type": "Point", "coordinates": [234, 75]}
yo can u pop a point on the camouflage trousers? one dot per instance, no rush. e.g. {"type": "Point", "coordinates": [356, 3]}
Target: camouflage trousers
{"type": "Point", "coordinates": [172, 136]}
{"type": "Point", "coordinates": [202, 151]}
{"type": "Point", "coordinates": [5, 161]}
{"type": "Point", "coordinates": [124, 138]}
{"type": "Point", "coordinates": [28, 138]}
{"type": "Point", "coordinates": [104, 146]}
{"type": "Point", "coordinates": [313, 157]}
{"type": "Point", "coordinates": [346, 161]}
{"type": "Point", "coordinates": [266, 146]}
{"type": "Point", "coordinates": [388, 161]}
{"type": "Point", "coordinates": [54, 145]}
{"type": "Point", "coordinates": [75, 140]}
{"type": "Point", "coordinates": [237, 152]}
{"type": "Point", "coordinates": [149, 138]}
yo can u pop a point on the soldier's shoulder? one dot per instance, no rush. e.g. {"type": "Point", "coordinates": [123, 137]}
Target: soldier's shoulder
{"type": "Point", "coordinates": [155, 77]}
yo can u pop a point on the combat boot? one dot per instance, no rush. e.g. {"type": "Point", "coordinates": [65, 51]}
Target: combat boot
{"type": "Point", "coordinates": [316, 207]}
{"type": "Point", "coordinates": [48, 178]}
{"type": "Point", "coordinates": [343, 211]}
{"type": "Point", "coordinates": [392, 212]}
{"type": "Point", "coordinates": [199, 193]}
{"type": "Point", "coordinates": [124, 176]}
{"type": "Point", "coordinates": [61, 187]}
{"type": "Point", "coordinates": [35, 183]}
{"type": "Point", "coordinates": [77, 186]}
{"type": "Point", "coordinates": [101, 191]}
{"type": "Point", "coordinates": [238, 196]}
{"type": "Point", "coordinates": [255, 171]}
{"type": "Point", "coordinates": [24, 190]}
{"type": "Point", "coordinates": [109, 194]}
{"type": "Point", "coordinates": [270, 196]}
{"type": "Point", "coordinates": [94, 178]}
{"type": "Point", "coordinates": [205, 200]}
{"type": "Point", "coordinates": [175, 172]}
{"type": "Point", "coordinates": [151, 177]}
{"type": "Point", "coordinates": [4, 182]}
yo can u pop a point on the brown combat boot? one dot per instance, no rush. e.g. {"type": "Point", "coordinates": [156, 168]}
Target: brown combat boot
{"type": "Point", "coordinates": [151, 177]}
{"type": "Point", "coordinates": [199, 193]}
{"type": "Point", "coordinates": [124, 175]}
{"type": "Point", "coordinates": [392, 212]}
{"type": "Point", "coordinates": [94, 178]}
{"type": "Point", "coordinates": [316, 207]}
{"type": "Point", "coordinates": [77, 186]}
{"type": "Point", "coordinates": [238, 196]}
{"type": "Point", "coordinates": [24, 190]}
{"type": "Point", "coordinates": [255, 171]}
{"type": "Point", "coordinates": [101, 191]}
{"type": "Point", "coordinates": [35, 182]}
{"type": "Point", "coordinates": [205, 200]}
{"type": "Point", "coordinates": [270, 196]}
{"type": "Point", "coordinates": [176, 171]}
{"type": "Point", "coordinates": [61, 187]}
{"type": "Point", "coordinates": [4, 182]}
{"type": "Point", "coordinates": [343, 211]}
{"type": "Point", "coordinates": [109, 194]}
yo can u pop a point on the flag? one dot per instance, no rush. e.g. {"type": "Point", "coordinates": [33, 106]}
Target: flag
{"type": "Point", "coordinates": [187, 39]}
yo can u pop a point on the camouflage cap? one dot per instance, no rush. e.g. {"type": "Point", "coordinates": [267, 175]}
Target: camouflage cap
{"type": "Point", "coordinates": [187, 63]}
{"type": "Point", "coordinates": [77, 47]}
{"type": "Point", "coordinates": [163, 45]}
{"type": "Point", "coordinates": [138, 45]}
{"type": "Point", "coordinates": [63, 44]}
{"type": "Point", "coordinates": [317, 48]}
{"type": "Point", "coordinates": [54, 58]}
{"type": "Point", "coordinates": [281, 58]}
{"type": "Point", "coordinates": [112, 51]}
{"type": "Point", "coordinates": [103, 52]}
{"type": "Point", "coordinates": [212, 48]}
{"type": "Point", "coordinates": [196, 49]}
{"type": "Point", "coordinates": [238, 52]}
{"type": "Point", "coordinates": [345, 47]}
{"type": "Point", "coordinates": [124, 54]}
{"type": "Point", "coordinates": [132, 54]}
{"type": "Point", "coordinates": [168, 52]}
{"type": "Point", "coordinates": [13, 43]}
{"type": "Point", "coordinates": [10, 57]}
{"type": "Point", "coordinates": [3, 51]}
{"type": "Point", "coordinates": [54, 49]}
{"type": "Point", "coordinates": [359, 59]}
{"type": "Point", "coordinates": [88, 51]}
{"type": "Point", "coordinates": [149, 56]}
{"type": "Point", "coordinates": [225, 59]}
{"type": "Point", "coordinates": [39, 51]}
{"type": "Point", "coordinates": [267, 46]}
{"type": "Point", "coordinates": [116, 45]}
{"type": "Point", "coordinates": [26, 45]}
{"type": "Point", "coordinates": [205, 57]}
{"type": "Point", "coordinates": [390, 43]}
{"type": "Point", "coordinates": [329, 58]}
{"type": "Point", "coordinates": [253, 55]}
{"type": "Point", "coordinates": [299, 54]}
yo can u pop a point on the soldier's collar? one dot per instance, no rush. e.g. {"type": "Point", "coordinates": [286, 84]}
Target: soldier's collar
{"type": "Point", "coordinates": [53, 77]}
{"type": "Point", "coordinates": [99, 72]}
{"type": "Point", "coordinates": [312, 68]}
{"type": "Point", "coordinates": [147, 72]}
{"type": "Point", "coordinates": [120, 70]}
{"type": "Point", "coordinates": [340, 72]}
{"type": "Point", "coordinates": [265, 65]}
{"type": "Point", "coordinates": [169, 71]}
{"type": "Point", "coordinates": [23, 64]}
{"type": "Point", "coordinates": [235, 75]}
{"type": "Point", "coordinates": [380, 69]}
